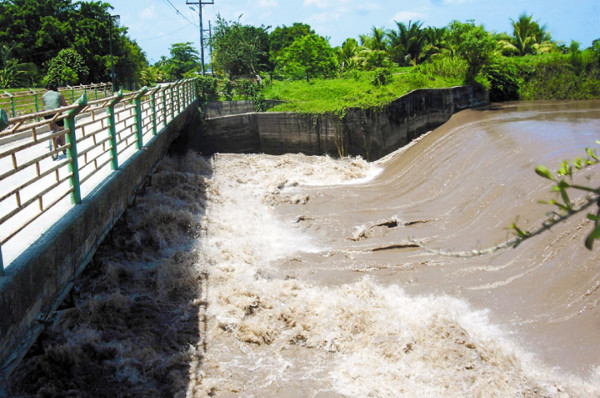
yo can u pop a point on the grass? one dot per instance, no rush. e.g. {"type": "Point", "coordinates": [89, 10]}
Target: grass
{"type": "Point", "coordinates": [355, 89]}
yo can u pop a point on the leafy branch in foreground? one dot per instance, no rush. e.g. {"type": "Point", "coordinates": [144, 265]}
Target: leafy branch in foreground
{"type": "Point", "coordinates": [564, 208]}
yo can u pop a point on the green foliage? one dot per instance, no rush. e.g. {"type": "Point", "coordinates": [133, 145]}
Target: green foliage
{"type": "Point", "coordinates": [445, 66]}
{"type": "Point", "coordinates": [207, 88]}
{"type": "Point", "coordinates": [12, 72]}
{"type": "Point", "coordinates": [346, 54]}
{"type": "Point", "coordinates": [228, 90]}
{"type": "Point", "coordinates": [239, 49]}
{"type": "Point", "coordinates": [67, 67]}
{"type": "Point", "coordinates": [38, 30]}
{"type": "Point", "coordinates": [246, 88]}
{"type": "Point", "coordinates": [382, 77]}
{"type": "Point", "coordinates": [474, 45]}
{"type": "Point", "coordinates": [528, 37]}
{"type": "Point", "coordinates": [408, 43]}
{"type": "Point", "coordinates": [564, 207]}
{"type": "Point", "coordinates": [504, 80]}
{"type": "Point", "coordinates": [184, 58]}
{"type": "Point", "coordinates": [355, 89]}
{"type": "Point", "coordinates": [553, 76]}
{"type": "Point", "coordinates": [308, 57]}
{"type": "Point", "coordinates": [283, 37]}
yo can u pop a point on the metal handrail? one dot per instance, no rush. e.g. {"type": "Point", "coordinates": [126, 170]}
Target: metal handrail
{"type": "Point", "coordinates": [25, 101]}
{"type": "Point", "coordinates": [95, 145]}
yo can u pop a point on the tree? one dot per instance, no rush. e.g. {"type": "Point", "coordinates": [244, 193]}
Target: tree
{"type": "Point", "coordinates": [474, 45]}
{"type": "Point", "coordinates": [376, 41]}
{"type": "Point", "coordinates": [309, 56]}
{"type": "Point", "coordinates": [407, 44]}
{"type": "Point", "coordinates": [184, 58]}
{"type": "Point", "coordinates": [13, 73]}
{"type": "Point", "coordinates": [346, 54]}
{"type": "Point", "coordinates": [66, 68]}
{"type": "Point", "coordinates": [528, 37]}
{"type": "Point", "coordinates": [240, 49]}
{"type": "Point", "coordinates": [283, 37]}
{"type": "Point", "coordinates": [38, 30]}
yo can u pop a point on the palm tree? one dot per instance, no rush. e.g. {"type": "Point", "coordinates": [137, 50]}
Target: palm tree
{"type": "Point", "coordinates": [375, 41]}
{"type": "Point", "coordinates": [406, 44]}
{"type": "Point", "coordinates": [347, 52]}
{"type": "Point", "coordinates": [12, 72]}
{"type": "Point", "coordinates": [528, 37]}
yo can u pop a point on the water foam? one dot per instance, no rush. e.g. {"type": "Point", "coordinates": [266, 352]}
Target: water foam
{"type": "Point", "coordinates": [267, 332]}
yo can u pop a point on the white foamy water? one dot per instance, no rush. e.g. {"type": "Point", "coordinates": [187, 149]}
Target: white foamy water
{"type": "Point", "coordinates": [275, 332]}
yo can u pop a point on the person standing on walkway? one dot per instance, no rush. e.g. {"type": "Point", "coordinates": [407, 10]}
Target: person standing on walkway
{"type": "Point", "coordinates": [52, 99]}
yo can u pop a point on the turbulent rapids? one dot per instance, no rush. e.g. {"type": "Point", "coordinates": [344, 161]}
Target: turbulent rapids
{"type": "Point", "coordinates": [296, 276]}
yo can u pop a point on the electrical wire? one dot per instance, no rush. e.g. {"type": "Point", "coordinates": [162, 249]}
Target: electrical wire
{"type": "Point", "coordinates": [163, 35]}
{"type": "Point", "coordinates": [168, 2]}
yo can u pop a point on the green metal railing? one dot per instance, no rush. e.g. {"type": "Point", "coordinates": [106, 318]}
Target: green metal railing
{"type": "Point", "coordinates": [100, 135]}
{"type": "Point", "coordinates": [28, 101]}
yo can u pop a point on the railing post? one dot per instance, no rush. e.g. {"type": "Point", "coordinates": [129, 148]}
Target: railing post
{"type": "Point", "coordinates": [172, 101]}
{"type": "Point", "coordinates": [112, 130]}
{"type": "Point", "coordinates": [153, 107]}
{"type": "Point", "coordinates": [178, 89]}
{"type": "Point", "coordinates": [164, 101]}
{"type": "Point", "coordinates": [72, 150]}
{"type": "Point", "coordinates": [72, 93]}
{"type": "Point", "coordinates": [12, 103]}
{"type": "Point", "coordinates": [3, 124]}
{"type": "Point", "coordinates": [138, 116]}
{"type": "Point", "coordinates": [95, 91]}
{"type": "Point", "coordinates": [36, 100]}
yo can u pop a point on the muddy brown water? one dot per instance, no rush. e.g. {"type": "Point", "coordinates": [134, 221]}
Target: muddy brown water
{"type": "Point", "coordinates": [310, 284]}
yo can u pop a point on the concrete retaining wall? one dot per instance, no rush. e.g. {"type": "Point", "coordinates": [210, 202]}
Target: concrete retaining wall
{"type": "Point", "coordinates": [227, 108]}
{"type": "Point", "coordinates": [37, 281]}
{"type": "Point", "coordinates": [370, 133]}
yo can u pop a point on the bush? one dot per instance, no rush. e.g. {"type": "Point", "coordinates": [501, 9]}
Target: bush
{"type": "Point", "coordinates": [206, 87]}
{"type": "Point", "coordinates": [382, 77]}
{"type": "Point", "coordinates": [68, 67]}
{"type": "Point", "coordinates": [503, 78]}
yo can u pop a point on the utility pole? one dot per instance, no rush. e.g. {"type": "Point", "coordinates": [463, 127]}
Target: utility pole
{"type": "Point", "coordinates": [200, 3]}
{"type": "Point", "coordinates": [212, 70]}
{"type": "Point", "coordinates": [112, 65]}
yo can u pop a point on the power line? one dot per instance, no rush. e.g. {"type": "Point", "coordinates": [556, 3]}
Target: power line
{"type": "Point", "coordinates": [163, 35]}
{"type": "Point", "coordinates": [168, 2]}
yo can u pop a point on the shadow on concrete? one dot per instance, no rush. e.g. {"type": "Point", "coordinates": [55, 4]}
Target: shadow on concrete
{"type": "Point", "coordinates": [133, 324]}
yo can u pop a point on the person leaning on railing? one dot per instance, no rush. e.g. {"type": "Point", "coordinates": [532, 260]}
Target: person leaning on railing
{"type": "Point", "coordinates": [52, 99]}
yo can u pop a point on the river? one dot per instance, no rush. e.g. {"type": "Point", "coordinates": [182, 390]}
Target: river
{"type": "Point", "coordinates": [312, 286]}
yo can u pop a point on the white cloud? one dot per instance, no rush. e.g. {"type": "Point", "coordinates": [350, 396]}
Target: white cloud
{"type": "Point", "coordinates": [327, 3]}
{"type": "Point", "coordinates": [405, 16]}
{"type": "Point", "coordinates": [268, 3]}
{"type": "Point", "coordinates": [148, 13]}
{"type": "Point", "coordinates": [450, 1]}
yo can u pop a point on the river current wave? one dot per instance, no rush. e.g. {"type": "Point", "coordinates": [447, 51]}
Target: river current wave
{"type": "Point", "coordinates": [304, 280]}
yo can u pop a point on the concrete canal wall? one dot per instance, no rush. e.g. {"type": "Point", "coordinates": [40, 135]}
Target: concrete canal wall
{"type": "Point", "coordinates": [370, 133]}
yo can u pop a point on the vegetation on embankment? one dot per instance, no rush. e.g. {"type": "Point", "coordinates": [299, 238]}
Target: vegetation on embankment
{"type": "Point", "coordinates": [357, 89]}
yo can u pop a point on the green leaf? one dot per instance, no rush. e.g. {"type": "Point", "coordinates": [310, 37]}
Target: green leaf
{"type": "Point", "coordinates": [595, 234]}
{"type": "Point", "coordinates": [592, 153]}
{"type": "Point", "coordinates": [519, 231]}
{"type": "Point", "coordinates": [542, 171]}
{"type": "Point", "coordinates": [593, 217]}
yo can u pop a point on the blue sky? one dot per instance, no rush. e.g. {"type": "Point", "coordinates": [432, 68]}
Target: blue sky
{"type": "Point", "coordinates": [156, 24]}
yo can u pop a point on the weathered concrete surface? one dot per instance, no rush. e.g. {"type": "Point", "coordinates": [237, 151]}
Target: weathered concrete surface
{"type": "Point", "coordinates": [370, 133]}
{"type": "Point", "coordinates": [227, 108]}
{"type": "Point", "coordinates": [37, 280]}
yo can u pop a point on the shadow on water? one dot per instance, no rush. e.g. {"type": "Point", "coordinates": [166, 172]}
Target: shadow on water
{"type": "Point", "coordinates": [134, 322]}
